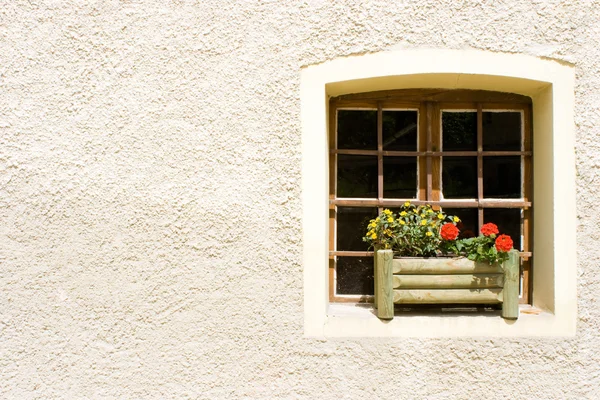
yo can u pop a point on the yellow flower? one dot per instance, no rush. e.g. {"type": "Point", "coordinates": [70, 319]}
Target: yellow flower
{"type": "Point", "coordinates": [387, 212]}
{"type": "Point", "coordinates": [429, 234]}
{"type": "Point", "coordinates": [377, 219]}
{"type": "Point", "coordinates": [430, 211]}
{"type": "Point", "coordinates": [403, 213]}
{"type": "Point", "coordinates": [388, 232]}
{"type": "Point", "coordinates": [440, 216]}
{"type": "Point", "coordinates": [402, 222]}
{"type": "Point", "coordinates": [423, 216]}
{"type": "Point", "coordinates": [390, 219]}
{"type": "Point", "coordinates": [432, 223]}
{"type": "Point", "coordinates": [407, 204]}
{"type": "Point", "coordinates": [374, 236]}
{"type": "Point", "coordinates": [423, 222]}
{"type": "Point", "coordinates": [456, 219]}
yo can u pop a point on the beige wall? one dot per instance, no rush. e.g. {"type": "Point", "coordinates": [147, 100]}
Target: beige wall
{"type": "Point", "coordinates": [150, 201]}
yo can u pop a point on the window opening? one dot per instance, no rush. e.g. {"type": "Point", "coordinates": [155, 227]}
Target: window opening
{"type": "Point", "coordinates": [472, 159]}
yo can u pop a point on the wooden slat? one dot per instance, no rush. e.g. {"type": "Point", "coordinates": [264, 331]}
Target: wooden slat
{"type": "Point", "coordinates": [510, 294]}
{"type": "Point", "coordinates": [429, 161]}
{"type": "Point", "coordinates": [379, 152]}
{"type": "Point", "coordinates": [340, 104]}
{"type": "Point", "coordinates": [436, 146]}
{"type": "Point", "coordinates": [422, 147]}
{"type": "Point", "coordinates": [442, 266]}
{"type": "Point", "coordinates": [332, 139]}
{"type": "Point", "coordinates": [439, 95]}
{"type": "Point", "coordinates": [527, 213]}
{"type": "Point", "coordinates": [448, 281]}
{"type": "Point", "coordinates": [479, 165]}
{"type": "Point", "coordinates": [331, 280]}
{"type": "Point", "coordinates": [430, 153]}
{"type": "Point", "coordinates": [454, 296]}
{"type": "Point", "coordinates": [523, 254]}
{"type": "Point", "coordinates": [351, 253]}
{"type": "Point", "coordinates": [508, 203]}
{"type": "Point", "coordinates": [491, 106]}
{"type": "Point", "coordinates": [385, 305]}
{"type": "Point", "coordinates": [375, 277]}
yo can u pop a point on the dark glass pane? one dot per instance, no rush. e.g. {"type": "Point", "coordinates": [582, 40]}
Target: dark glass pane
{"type": "Point", "coordinates": [400, 177]}
{"type": "Point", "coordinates": [501, 131]}
{"type": "Point", "coordinates": [459, 177]}
{"type": "Point", "coordinates": [502, 177]}
{"type": "Point", "coordinates": [351, 227]}
{"type": "Point", "coordinates": [354, 275]}
{"type": "Point", "coordinates": [357, 129]}
{"type": "Point", "coordinates": [459, 130]}
{"type": "Point", "coordinates": [508, 221]}
{"type": "Point", "coordinates": [357, 176]}
{"type": "Point", "coordinates": [468, 221]}
{"type": "Point", "coordinates": [400, 130]}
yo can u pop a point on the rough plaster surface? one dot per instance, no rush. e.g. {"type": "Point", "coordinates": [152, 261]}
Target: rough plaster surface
{"type": "Point", "coordinates": [150, 238]}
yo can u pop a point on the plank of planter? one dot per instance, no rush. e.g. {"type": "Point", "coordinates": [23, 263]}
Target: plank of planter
{"type": "Point", "coordinates": [385, 293]}
{"type": "Point", "coordinates": [448, 281]}
{"type": "Point", "coordinates": [442, 266]}
{"type": "Point", "coordinates": [437, 296]}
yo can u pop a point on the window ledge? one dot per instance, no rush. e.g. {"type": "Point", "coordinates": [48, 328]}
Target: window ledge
{"type": "Point", "coordinates": [349, 320]}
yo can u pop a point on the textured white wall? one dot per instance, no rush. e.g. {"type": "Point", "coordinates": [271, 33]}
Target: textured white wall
{"type": "Point", "coordinates": [150, 242]}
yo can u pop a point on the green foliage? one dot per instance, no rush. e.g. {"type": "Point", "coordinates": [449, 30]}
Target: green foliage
{"type": "Point", "coordinates": [483, 249]}
{"type": "Point", "coordinates": [415, 232]}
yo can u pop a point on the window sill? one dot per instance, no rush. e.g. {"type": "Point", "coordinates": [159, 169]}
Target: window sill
{"type": "Point", "coordinates": [349, 320]}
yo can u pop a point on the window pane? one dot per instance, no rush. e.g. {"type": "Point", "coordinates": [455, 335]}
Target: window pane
{"type": "Point", "coordinates": [459, 177]}
{"type": "Point", "coordinates": [459, 130]}
{"type": "Point", "coordinates": [400, 130]}
{"type": "Point", "coordinates": [400, 177]}
{"type": "Point", "coordinates": [508, 221]}
{"type": "Point", "coordinates": [351, 227]}
{"type": "Point", "coordinates": [357, 129]}
{"type": "Point", "coordinates": [502, 177]}
{"type": "Point", "coordinates": [357, 176]}
{"type": "Point", "coordinates": [502, 131]}
{"type": "Point", "coordinates": [468, 221]}
{"type": "Point", "coordinates": [354, 275]}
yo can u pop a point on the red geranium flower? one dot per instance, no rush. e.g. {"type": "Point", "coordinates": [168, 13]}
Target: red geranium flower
{"type": "Point", "coordinates": [504, 243]}
{"type": "Point", "coordinates": [489, 229]}
{"type": "Point", "coordinates": [449, 231]}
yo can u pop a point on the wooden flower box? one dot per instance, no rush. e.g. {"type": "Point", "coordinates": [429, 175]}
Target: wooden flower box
{"type": "Point", "coordinates": [445, 281]}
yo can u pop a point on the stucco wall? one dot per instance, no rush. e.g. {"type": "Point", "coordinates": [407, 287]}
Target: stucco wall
{"type": "Point", "coordinates": [150, 213]}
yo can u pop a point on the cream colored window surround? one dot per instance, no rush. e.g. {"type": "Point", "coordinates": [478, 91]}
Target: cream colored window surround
{"type": "Point", "coordinates": [551, 87]}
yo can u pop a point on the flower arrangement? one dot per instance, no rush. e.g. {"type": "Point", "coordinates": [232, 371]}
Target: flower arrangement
{"type": "Point", "coordinates": [421, 231]}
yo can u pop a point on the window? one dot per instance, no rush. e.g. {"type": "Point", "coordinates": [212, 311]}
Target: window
{"type": "Point", "coordinates": [550, 86]}
{"type": "Point", "coordinates": [466, 151]}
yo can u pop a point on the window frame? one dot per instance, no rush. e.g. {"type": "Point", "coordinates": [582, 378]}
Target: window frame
{"type": "Point", "coordinates": [550, 84]}
{"type": "Point", "coordinates": [430, 105]}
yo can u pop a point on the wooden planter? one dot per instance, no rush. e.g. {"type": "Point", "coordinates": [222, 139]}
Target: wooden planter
{"type": "Point", "coordinates": [445, 281]}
